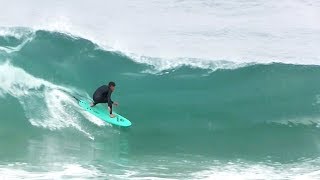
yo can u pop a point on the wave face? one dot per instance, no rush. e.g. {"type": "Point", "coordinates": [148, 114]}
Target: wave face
{"type": "Point", "coordinates": [256, 121]}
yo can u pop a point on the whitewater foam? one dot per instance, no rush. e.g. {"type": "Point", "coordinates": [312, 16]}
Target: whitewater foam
{"type": "Point", "coordinates": [160, 65]}
{"type": "Point", "coordinates": [45, 104]}
{"type": "Point", "coordinates": [241, 171]}
{"type": "Point", "coordinates": [24, 35]}
{"type": "Point", "coordinates": [18, 33]}
{"type": "Point", "coordinates": [73, 171]}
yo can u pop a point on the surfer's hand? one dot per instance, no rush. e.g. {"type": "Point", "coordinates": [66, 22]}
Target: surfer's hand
{"type": "Point", "coordinates": [112, 115]}
{"type": "Point", "coordinates": [116, 103]}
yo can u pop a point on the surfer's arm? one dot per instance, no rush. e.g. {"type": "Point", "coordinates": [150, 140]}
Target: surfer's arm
{"type": "Point", "coordinates": [110, 108]}
{"type": "Point", "coordinates": [110, 102]}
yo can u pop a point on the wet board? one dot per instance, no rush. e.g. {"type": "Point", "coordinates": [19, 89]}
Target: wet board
{"type": "Point", "coordinates": [101, 111]}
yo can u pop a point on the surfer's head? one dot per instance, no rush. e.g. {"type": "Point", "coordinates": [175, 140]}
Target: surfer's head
{"type": "Point", "coordinates": [112, 85]}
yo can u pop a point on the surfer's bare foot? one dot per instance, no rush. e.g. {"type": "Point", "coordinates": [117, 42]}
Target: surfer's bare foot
{"type": "Point", "coordinates": [91, 104]}
{"type": "Point", "coordinates": [112, 115]}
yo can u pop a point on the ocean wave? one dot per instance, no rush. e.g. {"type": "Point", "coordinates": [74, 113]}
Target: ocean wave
{"type": "Point", "coordinates": [157, 64]}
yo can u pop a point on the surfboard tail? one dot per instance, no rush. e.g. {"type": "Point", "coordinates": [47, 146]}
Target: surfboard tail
{"type": "Point", "coordinates": [75, 98]}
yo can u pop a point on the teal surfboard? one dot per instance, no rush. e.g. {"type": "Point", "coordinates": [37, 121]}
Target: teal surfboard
{"type": "Point", "coordinates": [100, 111]}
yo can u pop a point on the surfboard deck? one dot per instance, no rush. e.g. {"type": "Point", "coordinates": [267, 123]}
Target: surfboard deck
{"type": "Point", "coordinates": [100, 111]}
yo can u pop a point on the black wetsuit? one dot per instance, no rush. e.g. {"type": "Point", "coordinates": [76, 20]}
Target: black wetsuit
{"type": "Point", "coordinates": [103, 95]}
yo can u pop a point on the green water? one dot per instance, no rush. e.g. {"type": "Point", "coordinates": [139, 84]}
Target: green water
{"type": "Point", "coordinates": [188, 123]}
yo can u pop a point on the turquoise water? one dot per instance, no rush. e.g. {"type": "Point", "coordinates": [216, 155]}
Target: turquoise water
{"type": "Point", "coordinates": [259, 121]}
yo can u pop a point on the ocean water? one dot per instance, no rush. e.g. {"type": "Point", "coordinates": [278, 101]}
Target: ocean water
{"type": "Point", "coordinates": [214, 89]}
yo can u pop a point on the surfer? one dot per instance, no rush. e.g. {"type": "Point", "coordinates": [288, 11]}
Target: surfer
{"type": "Point", "coordinates": [103, 95]}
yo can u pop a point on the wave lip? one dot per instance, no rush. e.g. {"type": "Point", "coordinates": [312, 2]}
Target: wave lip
{"type": "Point", "coordinates": [160, 64]}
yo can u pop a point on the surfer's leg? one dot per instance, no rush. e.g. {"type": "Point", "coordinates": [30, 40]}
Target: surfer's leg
{"type": "Point", "coordinates": [105, 100]}
{"type": "Point", "coordinates": [96, 100]}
